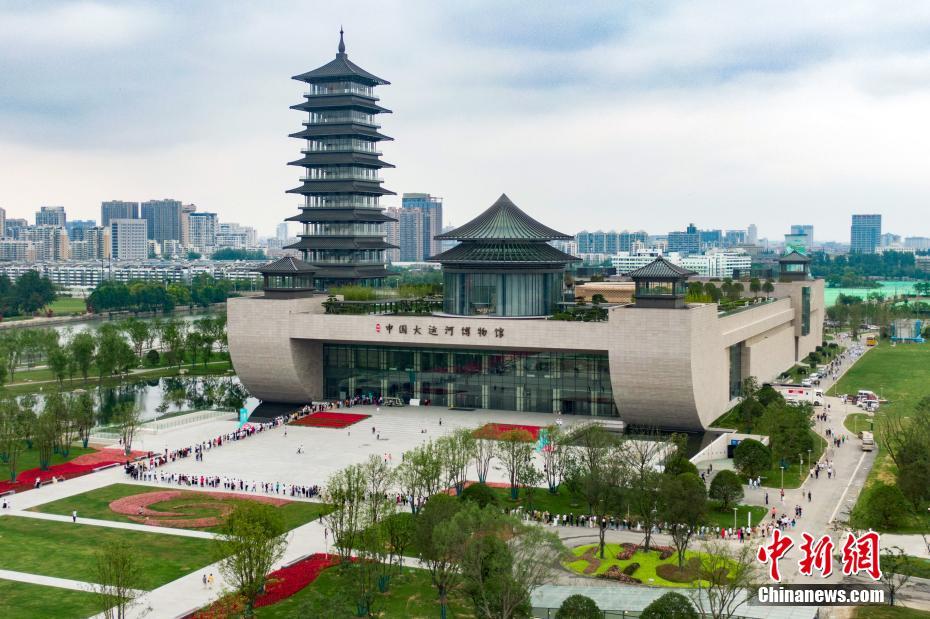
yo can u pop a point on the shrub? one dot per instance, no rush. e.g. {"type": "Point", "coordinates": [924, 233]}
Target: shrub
{"type": "Point", "coordinates": [630, 569]}
{"type": "Point", "coordinates": [152, 358]}
{"type": "Point", "coordinates": [670, 606]}
{"type": "Point", "coordinates": [727, 488]}
{"type": "Point", "coordinates": [883, 507]}
{"type": "Point", "coordinates": [578, 607]}
{"type": "Point", "coordinates": [481, 494]}
{"type": "Point", "coordinates": [627, 551]}
{"type": "Point", "coordinates": [615, 573]}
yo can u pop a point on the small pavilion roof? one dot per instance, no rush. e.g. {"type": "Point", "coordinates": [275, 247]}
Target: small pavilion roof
{"type": "Point", "coordinates": [340, 66]}
{"type": "Point", "coordinates": [661, 269]}
{"type": "Point", "coordinates": [503, 221]}
{"type": "Point", "coordinates": [794, 256]}
{"type": "Point", "coordinates": [287, 266]}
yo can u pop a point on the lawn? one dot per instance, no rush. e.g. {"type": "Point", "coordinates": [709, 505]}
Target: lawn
{"type": "Point", "coordinates": [890, 612]}
{"type": "Point", "coordinates": [794, 473]}
{"type": "Point", "coordinates": [67, 305]}
{"type": "Point", "coordinates": [901, 374]}
{"type": "Point", "coordinates": [29, 459]}
{"type": "Point", "coordinates": [857, 422]}
{"type": "Point", "coordinates": [95, 504]}
{"type": "Point", "coordinates": [719, 518]}
{"type": "Point", "coordinates": [24, 600]}
{"type": "Point", "coordinates": [648, 563]}
{"type": "Point", "coordinates": [918, 567]}
{"type": "Point", "coordinates": [68, 550]}
{"type": "Point", "coordinates": [563, 502]}
{"type": "Point", "coordinates": [410, 595]}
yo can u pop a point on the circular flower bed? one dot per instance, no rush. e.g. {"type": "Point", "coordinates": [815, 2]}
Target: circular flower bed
{"type": "Point", "coordinates": [136, 507]}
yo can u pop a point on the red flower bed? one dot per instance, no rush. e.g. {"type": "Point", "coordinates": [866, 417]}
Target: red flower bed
{"type": "Point", "coordinates": [499, 428]}
{"type": "Point", "coordinates": [81, 465]}
{"type": "Point", "coordinates": [328, 419]}
{"type": "Point", "coordinates": [136, 507]}
{"type": "Point", "coordinates": [281, 584]}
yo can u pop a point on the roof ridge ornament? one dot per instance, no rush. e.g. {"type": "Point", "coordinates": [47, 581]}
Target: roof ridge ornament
{"type": "Point", "coordinates": [342, 43]}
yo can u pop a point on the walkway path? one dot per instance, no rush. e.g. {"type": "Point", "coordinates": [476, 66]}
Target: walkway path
{"type": "Point", "coordinates": [51, 581]}
{"type": "Point", "coordinates": [115, 524]}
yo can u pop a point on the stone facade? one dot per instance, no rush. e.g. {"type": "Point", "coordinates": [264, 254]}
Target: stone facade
{"type": "Point", "coordinates": [669, 368]}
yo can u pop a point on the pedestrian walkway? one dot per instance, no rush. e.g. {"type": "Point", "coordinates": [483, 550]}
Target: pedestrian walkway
{"type": "Point", "coordinates": [51, 581]}
{"type": "Point", "coordinates": [115, 524]}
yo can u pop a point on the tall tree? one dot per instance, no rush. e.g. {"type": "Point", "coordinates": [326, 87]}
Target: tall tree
{"type": "Point", "coordinates": [84, 415]}
{"type": "Point", "coordinates": [554, 455]}
{"type": "Point", "coordinates": [14, 427]}
{"type": "Point", "coordinates": [138, 332]}
{"type": "Point", "coordinates": [457, 450]}
{"type": "Point", "coordinates": [515, 453]}
{"type": "Point", "coordinates": [485, 441]}
{"type": "Point", "coordinates": [684, 507]}
{"type": "Point", "coordinates": [726, 576]}
{"type": "Point", "coordinates": [420, 474]}
{"type": "Point", "coordinates": [82, 347]}
{"type": "Point", "coordinates": [118, 572]}
{"type": "Point", "coordinates": [128, 420]}
{"type": "Point", "coordinates": [12, 343]}
{"type": "Point", "coordinates": [643, 455]}
{"type": "Point", "coordinates": [46, 437]}
{"type": "Point", "coordinates": [345, 491]}
{"type": "Point", "coordinates": [251, 541]}
{"type": "Point", "coordinates": [440, 548]}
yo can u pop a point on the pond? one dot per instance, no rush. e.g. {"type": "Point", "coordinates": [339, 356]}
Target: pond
{"type": "Point", "coordinates": [162, 397]}
{"type": "Point", "coordinates": [887, 289]}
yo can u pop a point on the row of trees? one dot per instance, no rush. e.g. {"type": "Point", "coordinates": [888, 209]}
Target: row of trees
{"type": "Point", "coordinates": [140, 296]}
{"type": "Point", "coordinates": [843, 270]}
{"type": "Point", "coordinates": [727, 291]}
{"type": "Point", "coordinates": [27, 295]}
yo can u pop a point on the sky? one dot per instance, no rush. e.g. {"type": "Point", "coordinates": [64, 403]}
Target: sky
{"type": "Point", "coordinates": [589, 115]}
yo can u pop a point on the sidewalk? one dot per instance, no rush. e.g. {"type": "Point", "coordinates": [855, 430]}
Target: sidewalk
{"type": "Point", "coordinates": [114, 524]}
{"type": "Point", "coordinates": [51, 581]}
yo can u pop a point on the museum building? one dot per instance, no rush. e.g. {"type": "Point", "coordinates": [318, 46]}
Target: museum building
{"type": "Point", "coordinates": [498, 339]}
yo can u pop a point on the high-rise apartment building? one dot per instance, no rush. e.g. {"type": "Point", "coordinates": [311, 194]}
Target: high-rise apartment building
{"type": "Point", "coordinates": [13, 227]}
{"type": "Point", "coordinates": [186, 210]}
{"type": "Point", "coordinates": [2, 223]}
{"type": "Point", "coordinates": [51, 216]}
{"type": "Point", "coordinates": [17, 251]}
{"type": "Point", "coordinates": [865, 233]}
{"type": "Point", "coordinates": [430, 224]}
{"type": "Point", "coordinates": [752, 234]}
{"type": "Point", "coordinates": [51, 242]}
{"type": "Point", "coordinates": [77, 227]}
{"type": "Point", "coordinates": [163, 219]}
{"type": "Point", "coordinates": [129, 239]}
{"type": "Point", "coordinates": [203, 228]}
{"type": "Point", "coordinates": [918, 243]}
{"type": "Point", "coordinates": [627, 240]}
{"type": "Point", "coordinates": [98, 242]}
{"type": "Point", "coordinates": [802, 237]}
{"type": "Point", "coordinates": [117, 209]}
{"type": "Point", "coordinates": [281, 232]}
{"type": "Point", "coordinates": [687, 242]}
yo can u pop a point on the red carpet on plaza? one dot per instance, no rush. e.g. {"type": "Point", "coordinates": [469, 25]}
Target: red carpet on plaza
{"type": "Point", "coordinates": [329, 419]}
{"type": "Point", "coordinates": [500, 428]}
{"type": "Point", "coordinates": [81, 465]}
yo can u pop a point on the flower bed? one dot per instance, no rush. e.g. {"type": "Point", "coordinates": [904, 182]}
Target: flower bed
{"type": "Point", "coordinates": [496, 429]}
{"type": "Point", "coordinates": [280, 585]}
{"type": "Point", "coordinates": [81, 465]}
{"type": "Point", "coordinates": [328, 419]}
{"type": "Point", "coordinates": [136, 507]}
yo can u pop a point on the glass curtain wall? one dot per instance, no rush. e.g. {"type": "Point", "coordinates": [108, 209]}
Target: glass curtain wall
{"type": "Point", "coordinates": [543, 382]}
{"type": "Point", "coordinates": [501, 294]}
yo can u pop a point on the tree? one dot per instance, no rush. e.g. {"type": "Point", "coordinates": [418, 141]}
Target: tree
{"type": "Point", "coordinates": [883, 507]}
{"type": "Point", "coordinates": [751, 458]}
{"type": "Point", "coordinates": [485, 442]}
{"type": "Point", "coordinates": [554, 456]}
{"type": "Point", "coordinates": [173, 338]}
{"type": "Point", "coordinates": [578, 606]}
{"type": "Point", "coordinates": [515, 453]}
{"type": "Point", "coordinates": [597, 470]}
{"type": "Point", "coordinates": [671, 605]}
{"type": "Point", "coordinates": [118, 573]}
{"type": "Point", "coordinates": [676, 458]}
{"type": "Point", "coordinates": [456, 451]}
{"type": "Point", "coordinates": [15, 426]}
{"type": "Point", "coordinates": [755, 286]}
{"type": "Point", "coordinates": [768, 287]}
{"type": "Point", "coordinates": [57, 360]}
{"type": "Point", "coordinates": [32, 292]}
{"type": "Point", "coordinates": [480, 493]}
{"type": "Point", "coordinates": [82, 347]}
{"type": "Point", "coordinates": [13, 344]}
{"type": "Point", "coordinates": [128, 419]}
{"type": "Point", "coordinates": [726, 575]}
{"type": "Point", "coordinates": [61, 405]}
{"type": "Point", "coordinates": [439, 549]}
{"type": "Point", "coordinates": [138, 332]}
{"type": "Point", "coordinates": [896, 571]}
{"type": "Point", "coordinates": [251, 540]}
{"type": "Point", "coordinates": [683, 506]}
{"type": "Point", "coordinates": [84, 416]}
{"type": "Point", "coordinates": [727, 488]}
{"type": "Point", "coordinates": [642, 456]}
{"type": "Point", "coordinates": [420, 474]}
{"type": "Point", "coordinates": [345, 491]}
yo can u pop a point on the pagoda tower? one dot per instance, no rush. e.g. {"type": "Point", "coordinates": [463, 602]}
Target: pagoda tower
{"type": "Point", "coordinates": [342, 233]}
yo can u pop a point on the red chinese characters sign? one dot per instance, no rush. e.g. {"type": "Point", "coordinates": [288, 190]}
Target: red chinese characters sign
{"type": "Point", "coordinates": [859, 554]}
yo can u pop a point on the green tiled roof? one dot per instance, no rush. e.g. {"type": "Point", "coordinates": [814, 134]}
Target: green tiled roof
{"type": "Point", "coordinates": [503, 221]}
{"type": "Point", "coordinates": [504, 252]}
{"type": "Point", "coordinates": [794, 256]}
{"type": "Point", "coordinates": [660, 268]}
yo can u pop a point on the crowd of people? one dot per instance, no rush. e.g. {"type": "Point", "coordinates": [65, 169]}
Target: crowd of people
{"type": "Point", "coordinates": [147, 469]}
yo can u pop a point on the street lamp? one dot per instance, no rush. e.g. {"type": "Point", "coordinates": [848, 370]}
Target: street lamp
{"type": "Point", "coordinates": [782, 476]}
{"type": "Point", "coordinates": [800, 464]}
{"type": "Point", "coordinates": [734, 518]}
{"type": "Point", "coordinates": [808, 459]}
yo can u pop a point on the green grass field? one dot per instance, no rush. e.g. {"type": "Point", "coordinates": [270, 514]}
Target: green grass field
{"type": "Point", "coordinates": [68, 550]}
{"type": "Point", "coordinates": [95, 504]}
{"type": "Point", "coordinates": [901, 374]}
{"type": "Point", "coordinates": [411, 595]}
{"type": "Point", "coordinates": [23, 600]}
{"type": "Point", "coordinates": [29, 459]}
{"type": "Point", "coordinates": [795, 472]}
{"type": "Point", "coordinates": [857, 422]}
{"type": "Point", "coordinates": [890, 612]}
{"type": "Point", "coordinates": [67, 305]}
{"type": "Point", "coordinates": [719, 518]}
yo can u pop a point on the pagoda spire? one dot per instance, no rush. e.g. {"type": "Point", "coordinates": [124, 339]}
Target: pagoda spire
{"type": "Point", "coordinates": [342, 43]}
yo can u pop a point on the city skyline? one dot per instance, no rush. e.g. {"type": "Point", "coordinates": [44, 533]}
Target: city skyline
{"type": "Point", "coordinates": [696, 111]}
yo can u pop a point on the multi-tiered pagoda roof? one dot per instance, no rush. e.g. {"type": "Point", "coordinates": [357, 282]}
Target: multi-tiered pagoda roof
{"type": "Point", "coordinates": [342, 234]}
